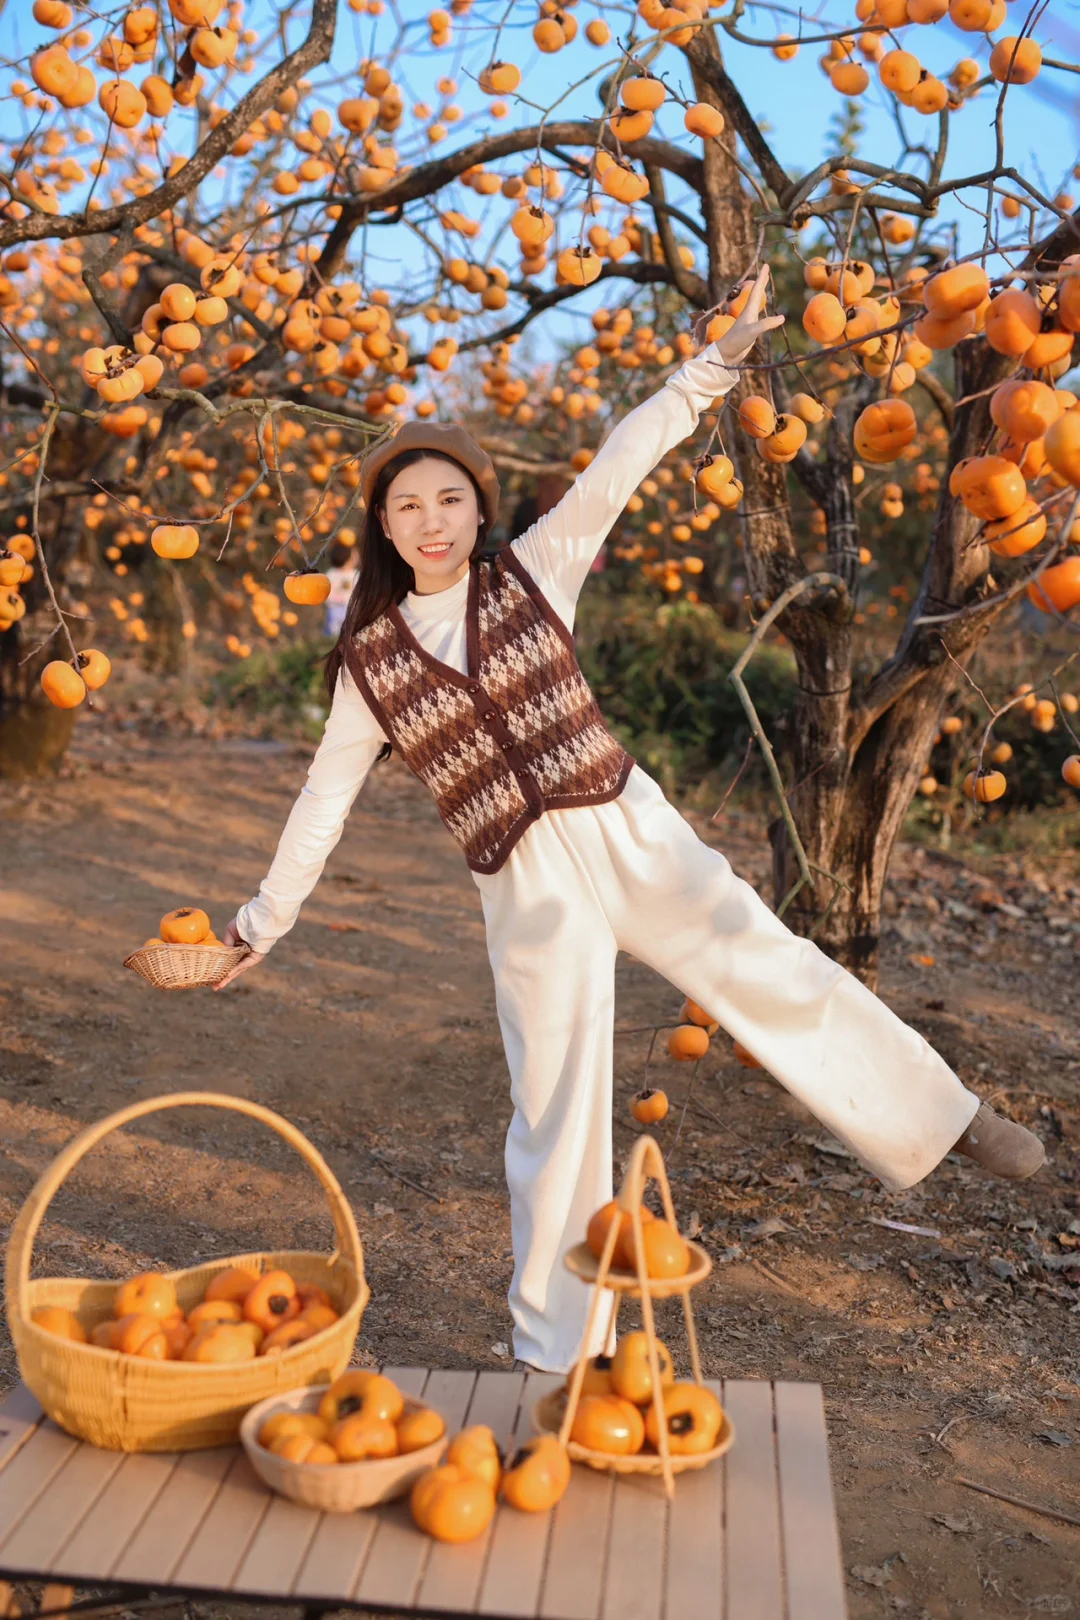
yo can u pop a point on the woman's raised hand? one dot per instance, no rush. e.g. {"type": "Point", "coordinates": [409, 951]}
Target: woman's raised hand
{"type": "Point", "coordinates": [252, 959]}
{"type": "Point", "coordinates": [750, 325]}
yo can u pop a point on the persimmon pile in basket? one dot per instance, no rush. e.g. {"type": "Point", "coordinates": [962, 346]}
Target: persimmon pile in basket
{"type": "Point", "coordinates": [361, 1417]}
{"type": "Point", "coordinates": [242, 1315]}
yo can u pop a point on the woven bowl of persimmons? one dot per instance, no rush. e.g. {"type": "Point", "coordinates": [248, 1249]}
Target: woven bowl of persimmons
{"type": "Point", "coordinates": [187, 953]}
{"type": "Point", "coordinates": [345, 1445]}
{"type": "Point", "coordinates": [171, 1361]}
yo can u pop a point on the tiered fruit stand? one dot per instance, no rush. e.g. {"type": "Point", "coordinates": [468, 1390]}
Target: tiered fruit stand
{"type": "Point", "coordinates": [556, 1411]}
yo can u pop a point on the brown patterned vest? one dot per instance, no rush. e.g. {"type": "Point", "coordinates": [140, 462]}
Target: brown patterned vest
{"type": "Point", "coordinates": [519, 734]}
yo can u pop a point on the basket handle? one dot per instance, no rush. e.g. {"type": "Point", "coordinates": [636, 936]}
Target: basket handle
{"type": "Point", "coordinates": [645, 1160]}
{"type": "Point", "coordinates": [26, 1224]}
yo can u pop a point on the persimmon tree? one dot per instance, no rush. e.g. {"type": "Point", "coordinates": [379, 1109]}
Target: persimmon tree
{"type": "Point", "coordinates": [239, 245]}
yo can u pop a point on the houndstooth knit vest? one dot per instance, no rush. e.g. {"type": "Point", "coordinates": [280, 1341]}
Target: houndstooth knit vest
{"type": "Point", "coordinates": [518, 734]}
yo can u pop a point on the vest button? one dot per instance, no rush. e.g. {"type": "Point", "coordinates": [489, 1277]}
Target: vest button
{"type": "Point", "coordinates": [489, 714]}
{"type": "Point", "coordinates": [472, 689]}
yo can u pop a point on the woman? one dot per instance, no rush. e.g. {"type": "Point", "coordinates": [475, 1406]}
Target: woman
{"type": "Point", "coordinates": [466, 665]}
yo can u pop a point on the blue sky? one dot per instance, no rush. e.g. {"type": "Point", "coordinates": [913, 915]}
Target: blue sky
{"type": "Point", "coordinates": [794, 99]}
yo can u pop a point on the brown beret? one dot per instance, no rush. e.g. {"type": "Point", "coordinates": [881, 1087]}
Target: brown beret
{"type": "Point", "coordinates": [444, 439]}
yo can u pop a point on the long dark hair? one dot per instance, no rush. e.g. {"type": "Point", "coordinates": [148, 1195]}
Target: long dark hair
{"type": "Point", "coordinates": [383, 576]}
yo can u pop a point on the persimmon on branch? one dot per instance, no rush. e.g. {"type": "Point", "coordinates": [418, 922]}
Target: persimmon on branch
{"type": "Point", "coordinates": [315, 49]}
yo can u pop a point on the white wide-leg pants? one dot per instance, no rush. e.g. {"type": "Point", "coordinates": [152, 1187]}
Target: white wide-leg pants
{"type": "Point", "coordinates": [633, 875]}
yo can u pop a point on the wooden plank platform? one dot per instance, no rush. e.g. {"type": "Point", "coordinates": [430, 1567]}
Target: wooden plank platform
{"type": "Point", "coordinates": [753, 1537]}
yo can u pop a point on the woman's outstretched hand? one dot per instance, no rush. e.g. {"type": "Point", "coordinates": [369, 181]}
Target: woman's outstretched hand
{"type": "Point", "coordinates": [252, 959]}
{"type": "Point", "coordinates": [750, 325]}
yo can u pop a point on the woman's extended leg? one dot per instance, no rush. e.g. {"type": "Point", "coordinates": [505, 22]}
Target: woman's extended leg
{"type": "Point", "coordinates": [875, 1082]}
{"type": "Point", "coordinates": [553, 956]}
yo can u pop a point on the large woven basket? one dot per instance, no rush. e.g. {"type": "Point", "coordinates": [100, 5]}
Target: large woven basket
{"type": "Point", "coordinates": [184, 967]}
{"type": "Point", "coordinates": [126, 1403]}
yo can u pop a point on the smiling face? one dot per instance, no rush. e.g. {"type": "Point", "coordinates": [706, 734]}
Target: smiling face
{"type": "Point", "coordinates": [431, 516]}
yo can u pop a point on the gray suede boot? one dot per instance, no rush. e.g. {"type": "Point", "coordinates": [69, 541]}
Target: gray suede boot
{"type": "Point", "coordinates": [1001, 1146]}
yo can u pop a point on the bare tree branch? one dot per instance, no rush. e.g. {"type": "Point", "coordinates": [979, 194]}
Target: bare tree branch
{"type": "Point", "coordinates": [703, 54]}
{"type": "Point", "coordinates": [688, 282]}
{"type": "Point", "coordinates": [315, 49]}
{"type": "Point", "coordinates": [428, 178]}
{"type": "Point", "coordinates": [939, 394]}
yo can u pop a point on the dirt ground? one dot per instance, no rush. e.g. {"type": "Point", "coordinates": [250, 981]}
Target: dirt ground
{"type": "Point", "coordinates": [373, 1028]}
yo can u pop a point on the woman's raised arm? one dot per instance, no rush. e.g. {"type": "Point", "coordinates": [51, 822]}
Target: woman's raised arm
{"type": "Point", "coordinates": [558, 550]}
{"type": "Point", "coordinates": [349, 747]}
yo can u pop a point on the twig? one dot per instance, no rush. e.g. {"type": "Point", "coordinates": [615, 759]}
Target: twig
{"type": "Point", "coordinates": [645, 1029]}
{"type": "Point", "coordinates": [30, 362]}
{"type": "Point", "coordinates": [820, 580]}
{"type": "Point", "coordinates": [970, 680]}
{"type": "Point", "coordinates": [707, 1113]}
{"type": "Point", "coordinates": [397, 1175]}
{"type": "Point", "coordinates": [43, 451]}
{"type": "Point", "coordinates": [961, 1417]}
{"type": "Point", "coordinates": [686, 1103]}
{"type": "Point", "coordinates": [734, 781]}
{"type": "Point", "coordinates": [774, 1277]}
{"type": "Point", "coordinates": [1018, 1501]}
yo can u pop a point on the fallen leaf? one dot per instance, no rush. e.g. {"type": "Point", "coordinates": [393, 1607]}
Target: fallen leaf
{"type": "Point", "coordinates": [344, 928]}
{"type": "Point", "coordinates": [924, 961]}
{"type": "Point", "coordinates": [770, 1227]}
{"type": "Point", "coordinates": [1054, 1437]}
{"type": "Point", "coordinates": [904, 1226]}
{"type": "Point", "coordinates": [872, 1574]}
{"type": "Point", "coordinates": [501, 1350]}
{"type": "Point", "coordinates": [959, 1527]}
{"type": "Point", "coordinates": [693, 1226]}
{"type": "Point", "coordinates": [828, 1145]}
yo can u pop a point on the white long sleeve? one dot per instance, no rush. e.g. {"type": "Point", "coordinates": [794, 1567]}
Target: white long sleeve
{"type": "Point", "coordinates": [349, 747]}
{"type": "Point", "coordinates": [559, 549]}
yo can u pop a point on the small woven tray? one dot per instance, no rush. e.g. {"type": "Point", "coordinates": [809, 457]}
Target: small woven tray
{"type": "Point", "coordinates": [184, 967]}
{"type": "Point", "coordinates": [586, 1265]}
{"type": "Point", "coordinates": [547, 1417]}
{"type": "Point", "coordinates": [333, 1487]}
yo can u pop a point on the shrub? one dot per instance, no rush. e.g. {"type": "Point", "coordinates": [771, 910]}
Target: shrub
{"type": "Point", "coordinates": [277, 688]}
{"type": "Point", "coordinates": [660, 674]}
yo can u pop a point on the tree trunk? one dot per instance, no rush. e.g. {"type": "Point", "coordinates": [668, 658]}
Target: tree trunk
{"type": "Point", "coordinates": [34, 738]}
{"type": "Point", "coordinates": [855, 780]}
